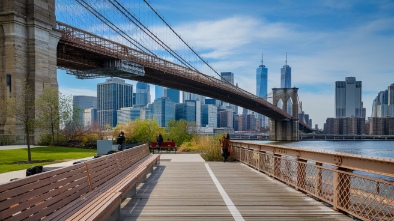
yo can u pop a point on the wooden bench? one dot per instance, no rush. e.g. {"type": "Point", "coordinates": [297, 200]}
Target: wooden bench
{"type": "Point", "coordinates": [91, 190]}
{"type": "Point", "coordinates": [164, 145]}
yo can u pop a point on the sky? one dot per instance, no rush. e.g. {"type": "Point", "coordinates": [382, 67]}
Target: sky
{"type": "Point", "coordinates": [325, 41]}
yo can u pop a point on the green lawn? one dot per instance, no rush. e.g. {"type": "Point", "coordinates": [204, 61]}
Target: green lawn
{"type": "Point", "coordinates": [9, 158]}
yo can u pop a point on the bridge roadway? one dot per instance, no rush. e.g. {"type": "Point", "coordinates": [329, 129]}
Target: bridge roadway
{"type": "Point", "coordinates": [185, 187]}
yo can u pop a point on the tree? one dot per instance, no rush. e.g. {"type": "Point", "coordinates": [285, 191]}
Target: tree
{"type": "Point", "coordinates": [48, 117]}
{"type": "Point", "coordinates": [178, 131]}
{"type": "Point", "coordinates": [22, 108]}
{"type": "Point", "coordinates": [145, 131]}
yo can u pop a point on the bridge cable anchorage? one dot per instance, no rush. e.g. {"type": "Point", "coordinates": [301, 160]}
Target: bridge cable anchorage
{"type": "Point", "coordinates": [124, 11]}
{"type": "Point", "coordinates": [113, 26]}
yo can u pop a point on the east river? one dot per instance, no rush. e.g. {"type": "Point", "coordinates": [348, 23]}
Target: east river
{"type": "Point", "coordinates": [363, 148]}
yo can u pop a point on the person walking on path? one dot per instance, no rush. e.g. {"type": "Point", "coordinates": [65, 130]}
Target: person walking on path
{"type": "Point", "coordinates": [159, 139]}
{"type": "Point", "coordinates": [225, 144]}
{"type": "Point", "coordinates": [120, 140]}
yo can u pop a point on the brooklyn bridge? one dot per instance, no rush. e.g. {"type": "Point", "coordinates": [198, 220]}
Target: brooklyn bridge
{"type": "Point", "coordinates": [40, 37]}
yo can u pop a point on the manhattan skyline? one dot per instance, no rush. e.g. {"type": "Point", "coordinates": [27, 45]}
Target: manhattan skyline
{"type": "Point", "coordinates": [326, 41]}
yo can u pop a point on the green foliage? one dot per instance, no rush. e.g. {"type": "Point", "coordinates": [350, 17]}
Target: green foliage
{"type": "Point", "coordinates": [47, 106]}
{"type": "Point", "coordinates": [139, 131]}
{"type": "Point", "coordinates": [211, 150]}
{"type": "Point", "coordinates": [9, 158]}
{"type": "Point", "coordinates": [178, 131]}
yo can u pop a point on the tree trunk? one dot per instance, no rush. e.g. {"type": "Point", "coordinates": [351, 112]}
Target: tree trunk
{"type": "Point", "coordinates": [28, 144]}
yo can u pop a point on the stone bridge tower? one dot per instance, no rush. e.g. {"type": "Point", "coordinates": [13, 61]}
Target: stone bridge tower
{"type": "Point", "coordinates": [285, 130]}
{"type": "Point", "coordinates": [28, 42]}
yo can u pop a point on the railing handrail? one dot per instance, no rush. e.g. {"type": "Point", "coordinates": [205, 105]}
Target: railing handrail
{"type": "Point", "coordinates": [367, 197]}
{"type": "Point", "coordinates": [377, 165]}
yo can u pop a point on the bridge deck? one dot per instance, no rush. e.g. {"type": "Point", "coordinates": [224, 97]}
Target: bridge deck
{"type": "Point", "coordinates": [182, 188]}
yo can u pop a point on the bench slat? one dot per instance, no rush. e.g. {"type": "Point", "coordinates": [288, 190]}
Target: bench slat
{"type": "Point", "coordinates": [66, 193]}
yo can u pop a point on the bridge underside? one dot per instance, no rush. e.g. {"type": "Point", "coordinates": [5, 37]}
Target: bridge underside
{"type": "Point", "coordinates": [88, 63]}
{"type": "Point", "coordinates": [77, 59]}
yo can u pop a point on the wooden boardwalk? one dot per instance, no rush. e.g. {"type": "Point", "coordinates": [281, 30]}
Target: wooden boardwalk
{"type": "Point", "coordinates": [184, 187]}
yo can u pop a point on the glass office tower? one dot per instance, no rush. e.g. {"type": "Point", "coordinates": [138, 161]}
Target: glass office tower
{"type": "Point", "coordinates": [112, 95]}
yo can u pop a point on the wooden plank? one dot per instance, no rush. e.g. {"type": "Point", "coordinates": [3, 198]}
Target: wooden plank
{"type": "Point", "coordinates": [185, 191]}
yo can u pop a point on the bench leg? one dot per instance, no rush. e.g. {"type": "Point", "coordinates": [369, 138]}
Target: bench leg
{"type": "Point", "coordinates": [132, 192]}
{"type": "Point", "coordinates": [115, 215]}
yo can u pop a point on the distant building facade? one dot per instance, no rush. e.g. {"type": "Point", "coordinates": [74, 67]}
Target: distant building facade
{"type": "Point", "coordinates": [209, 115]}
{"type": "Point", "coordinates": [83, 102]}
{"type": "Point", "coordinates": [381, 126]}
{"type": "Point", "coordinates": [142, 94]}
{"type": "Point", "coordinates": [383, 104]}
{"type": "Point", "coordinates": [190, 110]}
{"type": "Point", "coordinates": [89, 116]}
{"type": "Point", "coordinates": [173, 94]}
{"type": "Point", "coordinates": [345, 126]}
{"type": "Point", "coordinates": [112, 95]}
{"type": "Point", "coordinates": [126, 114]}
{"type": "Point", "coordinates": [159, 92]}
{"type": "Point", "coordinates": [348, 99]}
{"type": "Point", "coordinates": [226, 118]}
{"type": "Point", "coordinates": [163, 111]}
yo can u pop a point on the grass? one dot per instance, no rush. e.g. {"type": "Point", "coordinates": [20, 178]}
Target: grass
{"type": "Point", "coordinates": [12, 160]}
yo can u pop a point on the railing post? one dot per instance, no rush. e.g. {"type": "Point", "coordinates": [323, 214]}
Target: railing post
{"type": "Point", "coordinates": [341, 188]}
{"type": "Point", "coordinates": [318, 179]}
{"type": "Point", "coordinates": [301, 174]}
{"type": "Point", "coordinates": [277, 164]}
{"type": "Point", "coordinates": [262, 161]}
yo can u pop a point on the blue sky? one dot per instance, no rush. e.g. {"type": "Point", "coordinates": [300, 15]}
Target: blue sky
{"type": "Point", "coordinates": [326, 41]}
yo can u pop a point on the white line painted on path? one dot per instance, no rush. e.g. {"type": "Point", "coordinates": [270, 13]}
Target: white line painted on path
{"type": "Point", "coordinates": [229, 203]}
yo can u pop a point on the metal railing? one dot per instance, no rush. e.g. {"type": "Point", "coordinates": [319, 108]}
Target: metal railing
{"type": "Point", "coordinates": [360, 186]}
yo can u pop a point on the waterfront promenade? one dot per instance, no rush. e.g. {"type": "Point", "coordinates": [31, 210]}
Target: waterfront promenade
{"type": "Point", "coordinates": [185, 187]}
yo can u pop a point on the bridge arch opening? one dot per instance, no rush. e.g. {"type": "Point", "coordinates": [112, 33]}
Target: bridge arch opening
{"type": "Point", "coordinates": [280, 104]}
{"type": "Point", "coordinates": [289, 105]}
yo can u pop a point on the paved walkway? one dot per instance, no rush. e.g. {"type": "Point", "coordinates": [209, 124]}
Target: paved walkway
{"type": "Point", "coordinates": [185, 187]}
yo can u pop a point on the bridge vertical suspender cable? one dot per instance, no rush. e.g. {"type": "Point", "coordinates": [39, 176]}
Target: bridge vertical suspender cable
{"type": "Point", "coordinates": [113, 26]}
{"type": "Point", "coordinates": [125, 12]}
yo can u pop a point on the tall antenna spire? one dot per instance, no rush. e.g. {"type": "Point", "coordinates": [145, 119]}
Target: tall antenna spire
{"type": "Point", "coordinates": [262, 58]}
{"type": "Point", "coordinates": [286, 57]}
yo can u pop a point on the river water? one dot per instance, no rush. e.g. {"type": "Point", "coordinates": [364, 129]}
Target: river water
{"type": "Point", "coordinates": [364, 148]}
{"type": "Point", "coordinates": [380, 149]}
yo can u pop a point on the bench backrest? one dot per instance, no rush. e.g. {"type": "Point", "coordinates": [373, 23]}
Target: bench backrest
{"type": "Point", "coordinates": [163, 144]}
{"type": "Point", "coordinates": [40, 195]}
{"type": "Point", "coordinates": [106, 167]}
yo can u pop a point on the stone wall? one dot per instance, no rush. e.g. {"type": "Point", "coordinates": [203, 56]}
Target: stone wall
{"type": "Point", "coordinates": [28, 42]}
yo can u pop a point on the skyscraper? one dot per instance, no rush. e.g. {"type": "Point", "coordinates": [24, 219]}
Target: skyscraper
{"type": "Point", "coordinates": [348, 101]}
{"type": "Point", "coordinates": [261, 88]}
{"type": "Point", "coordinates": [163, 111]}
{"type": "Point", "coordinates": [112, 95]}
{"type": "Point", "coordinates": [189, 110]}
{"type": "Point", "coordinates": [194, 97]}
{"type": "Point", "coordinates": [383, 104]}
{"type": "Point", "coordinates": [142, 97]}
{"type": "Point", "coordinates": [159, 92]}
{"type": "Point", "coordinates": [209, 116]}
{"type": "Point", "coordinates": [228, 76]}
{"type": "Point", "coordinates": [173, 94]}
{"type": "Point", "coordinates": [285, 76]}
{"type": "Point", "coordinates": [83, 102]}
